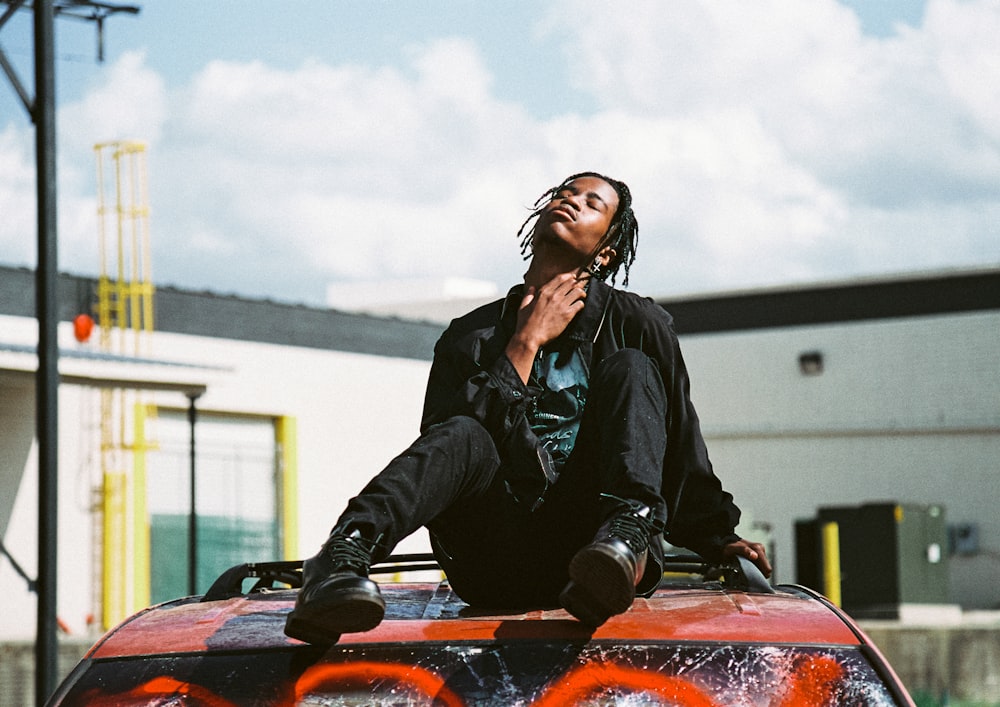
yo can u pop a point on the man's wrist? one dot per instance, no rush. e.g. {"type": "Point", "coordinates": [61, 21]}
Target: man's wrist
{"type": "Point", "coordinates": [522, 357]}
{"type": "Point", "coordinates": [521, 348]}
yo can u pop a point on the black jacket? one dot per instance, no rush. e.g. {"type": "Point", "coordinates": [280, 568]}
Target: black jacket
{"type": "Point", "coordinates": [471, 375]}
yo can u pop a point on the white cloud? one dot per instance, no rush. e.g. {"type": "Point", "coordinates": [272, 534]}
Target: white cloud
{"type": "Point", "coordinates": [963, 39]}
{"type": "Point", "coordinates": [129, 103]}
{"type": "Point", "coordinates": [688, 58]}
{"type": "Point", "coordinates": [17, 196]}
{"type": "Point", "coordinates": [359, 172]}
{"type": "Point", "coordinates": [764, 142]}
{"type": "Point", "coordinates": [780, 132]}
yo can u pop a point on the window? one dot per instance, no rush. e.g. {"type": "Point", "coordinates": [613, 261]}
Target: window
{"type": "Point", "coordinates": [237, 498]}
{"type": "Point", "coordinates": [512, 673]}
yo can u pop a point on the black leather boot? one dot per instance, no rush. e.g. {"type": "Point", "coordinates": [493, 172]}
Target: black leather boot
{"type": "Point", "coordinates": [337, 596]}
{"type": "Point", "coordinates": [604, 574]}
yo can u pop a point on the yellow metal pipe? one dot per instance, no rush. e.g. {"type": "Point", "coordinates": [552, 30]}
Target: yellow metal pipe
{"type": "Point", "coordinates": [140, 512]}
{"type": "Point", "coordinates": [286, 439]}
{"type": "Point", "coordinates": [113, 604]}
{"type": "Point", "coordinates": [831, 562]}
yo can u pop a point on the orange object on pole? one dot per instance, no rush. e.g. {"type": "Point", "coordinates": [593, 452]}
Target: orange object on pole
{"type": "Point", "coordinates": [83, 327]}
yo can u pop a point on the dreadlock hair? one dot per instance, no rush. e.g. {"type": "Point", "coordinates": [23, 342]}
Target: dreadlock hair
{"type": "Point", "coordinates": [622, 235]}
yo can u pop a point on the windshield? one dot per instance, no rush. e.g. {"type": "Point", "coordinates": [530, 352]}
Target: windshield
{"type": "Point", "coordinates": [508, 674]}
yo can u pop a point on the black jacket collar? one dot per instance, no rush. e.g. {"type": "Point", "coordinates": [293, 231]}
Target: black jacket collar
{"type": "Point", "coordinates": [584, 327]}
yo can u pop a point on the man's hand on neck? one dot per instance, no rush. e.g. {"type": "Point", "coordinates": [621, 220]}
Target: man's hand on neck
{"type": "Point", "coordinates": [543, 315]}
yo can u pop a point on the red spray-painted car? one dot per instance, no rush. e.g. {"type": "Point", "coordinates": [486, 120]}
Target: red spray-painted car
{"type": "Point", "coordinates": [709, 637]}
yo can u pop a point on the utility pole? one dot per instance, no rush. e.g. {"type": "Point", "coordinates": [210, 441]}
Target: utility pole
{"type": "Point", "coordinates": [47, 382]}
{"type": "Point", "coordinates": [41, 110]}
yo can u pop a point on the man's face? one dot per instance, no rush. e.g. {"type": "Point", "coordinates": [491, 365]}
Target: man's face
{"type": "Point", "coordinates": [577, 217]}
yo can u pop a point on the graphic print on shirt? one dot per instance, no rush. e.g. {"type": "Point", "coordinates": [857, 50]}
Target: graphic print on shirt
{"type": "Point", "coordinates": [556, 414]}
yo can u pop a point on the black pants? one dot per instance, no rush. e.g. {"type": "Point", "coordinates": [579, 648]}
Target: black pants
{"type": "Point", "coordinates": [494, 552]}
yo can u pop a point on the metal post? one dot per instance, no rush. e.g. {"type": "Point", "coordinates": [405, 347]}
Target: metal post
{"type": "Point", "coordinates": [42, 112]}
{"type": "Point", "coordinates": [193, 510]}
{"type": "Point", "coordinates": [47, 383]}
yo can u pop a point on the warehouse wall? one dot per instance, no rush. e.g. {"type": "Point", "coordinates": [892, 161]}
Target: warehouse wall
{"type": "Point", "coordinates": [904, 410]}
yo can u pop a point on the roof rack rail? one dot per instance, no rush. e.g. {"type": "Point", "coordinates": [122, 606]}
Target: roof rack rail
{"type": "Point", "coordinates": [738, 573]}
{"type": "Point", "coordinates": [230, 583]}
{"type": "Point", "coordinates": [289, 573]}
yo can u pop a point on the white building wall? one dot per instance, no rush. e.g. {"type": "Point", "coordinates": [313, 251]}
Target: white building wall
{"type": "Point", "coordinates": [75, 533]}
{"type": "Point", "coordinates": [905, 410]}
{"type": "Point", "coordinates": [354, 413]}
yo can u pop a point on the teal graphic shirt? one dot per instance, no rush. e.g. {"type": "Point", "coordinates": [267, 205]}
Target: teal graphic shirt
{"type": "Point", "coordinates": [557, 411]}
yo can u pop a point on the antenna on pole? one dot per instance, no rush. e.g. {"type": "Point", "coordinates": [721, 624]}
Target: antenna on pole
{"type": "Point", "coordinates": [84, 10]}
{"type": "Point", "coordinates": [92, 11]}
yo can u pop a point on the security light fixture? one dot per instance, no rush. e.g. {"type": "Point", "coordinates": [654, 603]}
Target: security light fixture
{"type": "Point", "coordinates": [811, 363]}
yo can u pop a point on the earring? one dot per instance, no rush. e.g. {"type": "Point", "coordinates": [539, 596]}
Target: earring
{"type": "Point", "coordinates": [595, 267]}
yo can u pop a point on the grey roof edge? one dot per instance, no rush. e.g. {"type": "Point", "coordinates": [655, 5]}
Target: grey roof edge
{"type": "Point", "coordinates": [228, 316]}
{"type": "Point", "coordinates": [238, 318]}
{"type": "Point", "coordinates": [900, 296]}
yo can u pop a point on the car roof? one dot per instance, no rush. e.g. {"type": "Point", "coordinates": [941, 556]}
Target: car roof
{"type": "Point", "coordinates": [706, 630]}
{"type": "Point", "coordinates": [428, 612]}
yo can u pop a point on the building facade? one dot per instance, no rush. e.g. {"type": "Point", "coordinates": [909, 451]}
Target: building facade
{"type": "Point", "coordinates": [881, 391]}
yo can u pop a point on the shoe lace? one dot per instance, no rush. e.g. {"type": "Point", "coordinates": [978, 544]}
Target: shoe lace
{"type": "Point", "coordinates": [631, 527]}
{"type": "Point", "coordinates": [351, 553]}
{"type": "Point", "coordinates": [633, 530]}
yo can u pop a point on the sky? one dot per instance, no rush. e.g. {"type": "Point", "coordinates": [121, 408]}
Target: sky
{"type": "Point", "coordinates": [291, 146]}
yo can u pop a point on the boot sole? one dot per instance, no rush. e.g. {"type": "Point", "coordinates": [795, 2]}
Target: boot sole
{"type": "Point", "coordinates": [322, 620]}
{"type": "Point", "coordinates": [602, 585]}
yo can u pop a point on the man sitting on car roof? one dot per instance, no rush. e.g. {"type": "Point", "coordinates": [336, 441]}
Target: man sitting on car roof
{"type": "Point", "coordinates": [558, 444]}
